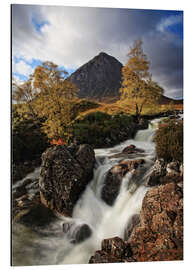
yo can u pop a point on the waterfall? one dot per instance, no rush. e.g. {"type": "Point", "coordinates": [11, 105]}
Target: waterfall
{"type": "Point", "coordinates": [34, 248]}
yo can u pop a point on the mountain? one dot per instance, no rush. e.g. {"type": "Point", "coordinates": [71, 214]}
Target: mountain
{"type": "Point", "coordinates": [99, 78]}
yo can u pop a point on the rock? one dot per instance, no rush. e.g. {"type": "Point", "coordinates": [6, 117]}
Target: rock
{"type": "Point", "coordinates": [77, 233]}
{"type": "Point", "coordinates": [160, 234]}
{"type": "Point", "coordinates": [115, 246]}
{"type": "Point", "coordinates": [114, 178]}
{"type": "Point", "coordinates": [132, 149]}
{"type": "Point", "coordinates": [64, 176]}
{"type": "Point", "coordinates": [158, 171]}
{"type": "Point", "coordinates": [134, 221]}
{"type": "Point", "coordinates": [101, 256]}
{"type": "Point", "coordinates": [112, 184]}
{"type": "Point", "coordinates": [132, 164]}
{"type": "Point", "coordinates": [172, 169]}
{"type": "Point", "coordinates": [21, 169]}
{"type": "Point", "coordinates": [129, 152]}
{"type": "Point", "coordinates": [39, 216]}
{"type": "Point", "coordinates": [113, 250]}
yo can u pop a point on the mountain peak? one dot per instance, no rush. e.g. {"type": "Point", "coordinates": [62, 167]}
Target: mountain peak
{"type": "Point", "coordinates": [98, 78]}
{"type": "Point", "coordinates": [103, 54]}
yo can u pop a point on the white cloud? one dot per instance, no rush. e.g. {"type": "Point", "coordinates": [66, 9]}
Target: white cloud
{"type": "Point", "coordinates": [23, 68]}
{"type": "Point", "coordinates": [171, 20]}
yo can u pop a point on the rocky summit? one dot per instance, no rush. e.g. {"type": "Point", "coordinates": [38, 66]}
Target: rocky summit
{"type": "Point", "coordinates": [99, 78]}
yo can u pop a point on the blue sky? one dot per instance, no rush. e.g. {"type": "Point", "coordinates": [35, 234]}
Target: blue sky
{"type": "Point", "coordinates": [71, 36]}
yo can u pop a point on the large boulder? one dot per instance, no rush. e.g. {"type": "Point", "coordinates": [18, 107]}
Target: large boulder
{"type": "Point", "coordinates": [64, 176]}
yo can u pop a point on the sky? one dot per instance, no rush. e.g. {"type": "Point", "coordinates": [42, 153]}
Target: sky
{"type": "Point", "coordinates": [71, 36]}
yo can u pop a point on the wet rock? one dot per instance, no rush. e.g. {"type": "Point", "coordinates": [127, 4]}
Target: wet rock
{"type": "Point", "coordinates": [160, 234]}
{"type": "Point", "coordinates": [158, 171]}
{"type": "Point", "coordinates": [172, 169]}
{"type": "Point", "coordinates": [112, 185]}
{"type": "Point", "coordinates": [132, 164]}
{"type": "Point", "coordinates": [115, 246]}
{"type": "Point", "coordinates": [114, 178]}
{"type": "Point", "coordinates": [132, 149]}
{"type": "Point", "coordinates": [134, 221]}
{"type": "Point", "coordinates": [24, 198]}
{"type": "Point", "coordinates": [77, 233]}
{"type": "Point", "coordinates": [64, 176]}
{"type": "Point", "coordinates": [101, 256]}
{"type": "Point", "coordinates": [38, 216]}
{"type": "Point", "coordinates": [113, 250]}
{"type": "Point", "coordinates": [20, 170]}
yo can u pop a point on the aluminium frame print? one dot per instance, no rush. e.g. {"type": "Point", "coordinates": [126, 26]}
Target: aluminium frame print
{"type": "Point", "coordinates": [97, 135]}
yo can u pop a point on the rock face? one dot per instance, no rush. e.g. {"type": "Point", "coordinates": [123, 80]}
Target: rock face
{"type": "Point", "coordinates": [159, 237]}
{"type": "Point", "coordinates": [114, 178]}
{"type": "Point", "coordinates": [100, 77]}
{"type": "Point", "coordinates": [64, 176]}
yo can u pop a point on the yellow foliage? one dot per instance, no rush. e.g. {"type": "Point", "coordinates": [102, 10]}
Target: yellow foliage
{"type": "Point", "coordinates": [137, 85]}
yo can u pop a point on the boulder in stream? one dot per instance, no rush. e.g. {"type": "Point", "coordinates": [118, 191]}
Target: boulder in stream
{"type": "Point", "coordinates": [114, 178]}
{"type": "Point", "coordinates": [64, 176]}
{"type": "Point", "coordinates": [77, 233]}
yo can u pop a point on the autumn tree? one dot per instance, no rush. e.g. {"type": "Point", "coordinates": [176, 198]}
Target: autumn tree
{"type": "Point", "coordinates": [23, 94]}
{"type": "Point", "coordinates": [50, 96]}
{"type": "Point", "coordinates": [56, 98]}
{"type": "Point", "coordinates": [137, 84]}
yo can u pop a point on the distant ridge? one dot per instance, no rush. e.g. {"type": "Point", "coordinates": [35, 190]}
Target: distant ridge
{"type": "Point", "coordinates": [166, 100]}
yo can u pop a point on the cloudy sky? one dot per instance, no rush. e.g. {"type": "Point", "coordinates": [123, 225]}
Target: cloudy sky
{"type": "Point", "coordinates": [71, 36]}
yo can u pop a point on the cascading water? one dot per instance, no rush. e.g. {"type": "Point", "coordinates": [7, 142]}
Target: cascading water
{"type": "Point", "coordinates": [53, 246]}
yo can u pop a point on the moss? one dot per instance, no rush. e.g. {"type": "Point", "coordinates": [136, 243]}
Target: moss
{"type": "Point", "coordinates": [169, 140]}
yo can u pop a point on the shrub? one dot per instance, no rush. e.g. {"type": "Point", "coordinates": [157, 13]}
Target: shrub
{"type": "Point", "coordinates": [100, 129]}
{"type": "Point", "coordinates": [169, 140]}
{"type": "Point", "coordinates": [28, 140]}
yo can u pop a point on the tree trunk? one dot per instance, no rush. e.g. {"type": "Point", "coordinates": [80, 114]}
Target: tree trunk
{"type": "Point", "coordinates": [136, 112]}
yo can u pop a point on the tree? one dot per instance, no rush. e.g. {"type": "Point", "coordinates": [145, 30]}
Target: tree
{"type": "Point", "coordinates": [137, 84]}
{"type": "Point", "coordinates": [24, 94]}
{"type": "Point", "coordinates": [51, 96]}
{"type": "Point", "coordinates": [56, 98]}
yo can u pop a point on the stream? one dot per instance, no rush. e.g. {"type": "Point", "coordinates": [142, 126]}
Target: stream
{"type": "Point", "coordinates": [51, 246]}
